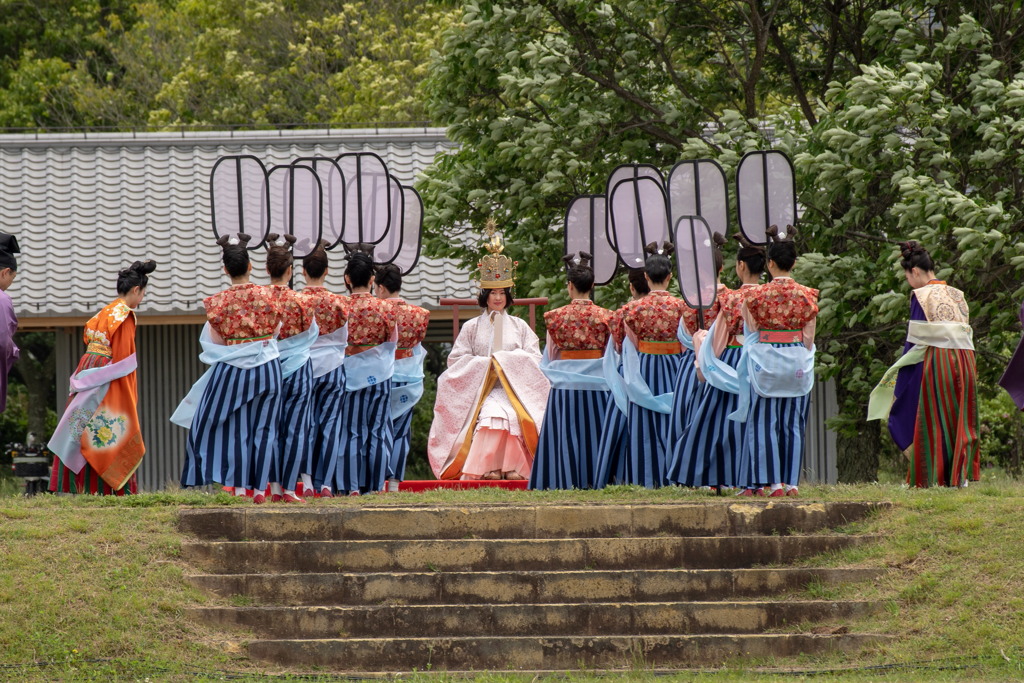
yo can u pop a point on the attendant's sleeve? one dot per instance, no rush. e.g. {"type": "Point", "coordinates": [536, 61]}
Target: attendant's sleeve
{"type": "Point", "coordinates": [463, 343]}
{"type": "Point", "coordinates": [808, 332]}
{"type": "Point", "coordinates": [8, 349]}
{"type": "Point", "coordinates": [719, 334]}
{"type": "Point", "coordinates": [617, 328]}
{"type": "Point", "coordinates": [748, 319]}
{"type": "Point", "coordinates": [123, 345]}
{"type": "Point", "coordinates": [528, 340]}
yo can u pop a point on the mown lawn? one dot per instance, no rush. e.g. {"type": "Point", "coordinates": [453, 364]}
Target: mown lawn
{"type": "Point", "coordinates": [92, 588]}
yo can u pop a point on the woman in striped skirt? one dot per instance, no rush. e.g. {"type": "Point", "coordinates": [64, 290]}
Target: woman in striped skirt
{"type": "Point", "coordinates": [407, 384]}
{"type": "Point", "coordinates": [689, 390]}
{"type": "Point", "coordinates": [233, 433]}
{"type": "Point", "coordinates": [367, 436]}
{"type": "Point", "coordinates": [778, 362]}
{"type": "Point", "coordinates": [645, 330]}
{"type": "Point", "coordinates": [105, 448]}
{"type": "Point", "coordinates": [327, 356]}
{"type": "Point", "coordinates": [579, 398]}
{"type": "Point", "coordinates": [930, 394]}
{"type": "Point", "coordinates": [611, 458]}
{"type": "Point", "coordinates": [707, 453]}
{"type": "Point", "coordinates": [297, 333]}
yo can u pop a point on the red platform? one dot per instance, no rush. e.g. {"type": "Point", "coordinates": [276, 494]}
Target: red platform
{"type": "Point", "coordinates": [457, 484]}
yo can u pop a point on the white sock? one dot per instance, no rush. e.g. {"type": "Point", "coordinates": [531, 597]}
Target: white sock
{"type": "Point", "coordinates": [275, 489]}
{"type": "Point", "coordinates": [776, 487]}
{"type": "Point", "coordinates": [790, 488]}
{"type": "Point", "coordinates": [307, 482]}
{"type": "Point", "coordinates": [289, 492]}
{"type": "Point", "coordinates": [240, 491]}
{"type": "Point", "coordinates": [393, 484]}
{"type": "Point", "coordinates": [325, 488]}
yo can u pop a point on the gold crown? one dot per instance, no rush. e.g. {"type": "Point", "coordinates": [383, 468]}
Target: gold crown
{"type": "Point", "coordinates": [497, 271]}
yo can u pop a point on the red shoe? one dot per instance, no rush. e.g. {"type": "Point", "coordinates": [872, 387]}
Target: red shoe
{"type": "Point", "coordinates": [276, 498]}
{"type": "Point", "coordinates": [760, 491]}
{"type": "Point", "coordinates": [259, 499]}
{"type": "Point", "coordinates": [745, 492]}
{"type": "Point", "coordinates": [290, 498]}
{"type": "Point", "coordinates": [354, 493]}
{"type": "Point", "coordinates": [300, 490]}
{"type": "Point", "coordinates": [793, 492]}
{"type": "Point", "coordinates": [326, 493]}
{"type": "Point", "coordinates": [777, 493]}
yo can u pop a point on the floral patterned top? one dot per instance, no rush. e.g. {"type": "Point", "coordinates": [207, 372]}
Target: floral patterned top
{"type": "Point", "coordinates": [412, 322]}
{"type": "Point", "coordinates": [296, 316]}
{"type": "Point", "coordinates": [653, 317]}
{"type": "Point", "coordinates": [329, 309]}
{"type": "Point", "coordinates": [710, 313]}
{"type": "Point", "coordinates": [370, 320]}
{"type": "Point", "coordinates": [582, 325]}
{"type": "Point", "coordinates": [100, 329]}
{"type": "Point", "coordinates": [782, 304]}
{"type": "Point", "coordinates": [243, 312]}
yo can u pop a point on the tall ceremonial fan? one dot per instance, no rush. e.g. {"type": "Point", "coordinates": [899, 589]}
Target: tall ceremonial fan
{"type": "Point", "coordinates": [367, 197]}
{"type": "Point", "coordinates": [412, 230]}
{"type": "Point", "coordinates": [638, 214]}
{"type": "Point", "coordinates": [585, 221]}
{"type": "Point", "coordinates": [389, 247]}
{"type": "Point", "coordinates": [240, 198]}
{"type": "Point", "coordinates": [695, 260]}
{"type": "Point", "coordinates": [295, 205]}
{"type": "Point", "coordinates": [699, 188]}
{"type": "Point", "coordinates": [332, 182]}
{"type": "Point", "coordinates": [620, 173]}
{"type": "Point", "coordinates": [765, 194]}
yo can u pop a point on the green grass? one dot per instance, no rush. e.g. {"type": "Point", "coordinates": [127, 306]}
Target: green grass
{"type": "Point", "coordinates": [92, 588]}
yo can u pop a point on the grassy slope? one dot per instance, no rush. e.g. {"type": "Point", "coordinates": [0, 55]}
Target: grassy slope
{"type": "Point", "coordinates": [93, 588]}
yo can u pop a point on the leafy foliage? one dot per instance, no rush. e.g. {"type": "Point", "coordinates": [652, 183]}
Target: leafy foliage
{"type": "Point", "coordinates": [904, 120]}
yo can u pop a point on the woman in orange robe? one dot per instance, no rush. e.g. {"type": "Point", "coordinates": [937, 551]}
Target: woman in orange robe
{"type": "Point", "coordinates": [99, 447]}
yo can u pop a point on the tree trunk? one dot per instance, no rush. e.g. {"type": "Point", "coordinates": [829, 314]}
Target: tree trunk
{"type": "Point", "coordinates": [37, 374]}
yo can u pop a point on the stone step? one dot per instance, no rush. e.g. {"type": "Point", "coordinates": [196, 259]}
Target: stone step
{"type": "Point", "coordinates": [527, 587]}
{"type": "Point", "coordinates": [338, 522]}
{"type": "Point", "coordinates": [532, 653]}
{"type": "Point", "coordinates": [246, 557]}
{"type": "Point", "coordinates": [573, 619]}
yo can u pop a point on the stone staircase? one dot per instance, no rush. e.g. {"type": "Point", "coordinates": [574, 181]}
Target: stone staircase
{"type": "Point", "coordinates": [544, 587]}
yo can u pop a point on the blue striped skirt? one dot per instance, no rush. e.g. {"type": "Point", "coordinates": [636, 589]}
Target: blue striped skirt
{"type": "Point", "coordinates": [295, 428]}
{"type": "Point", "coordinates": [707, 453]}
{"type": "Point", "coordinates": [773, 441]}
{"type": "Point", "coordinates": [569, 438]}
{"type": "Point", "coordinates": [322, 461]}
{"type": "Point", "coordinates": [612, 454]}
{"type": "Point", "coordinates": [402, 435]}
{"type": "Point", "coordinates": [234, 431]}
{"type": "Point", "coordinates": [650, 432]}
{"type": "Point", "coordinates": [367, 439]}
{"type": "Point", "coordinates": [688, 392]}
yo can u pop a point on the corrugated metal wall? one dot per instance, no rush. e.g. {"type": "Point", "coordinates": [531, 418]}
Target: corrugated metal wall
{"type": "Point", "coordinates": [169, 365]}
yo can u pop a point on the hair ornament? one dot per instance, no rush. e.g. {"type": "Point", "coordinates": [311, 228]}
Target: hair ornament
{"type": "Point", "coordinates": [355, 249]}
{"type": "Point", "coordinates": [497, 271]}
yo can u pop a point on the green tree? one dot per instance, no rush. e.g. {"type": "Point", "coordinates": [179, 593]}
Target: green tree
{"type": "Point", "coordinates": [904, 120]}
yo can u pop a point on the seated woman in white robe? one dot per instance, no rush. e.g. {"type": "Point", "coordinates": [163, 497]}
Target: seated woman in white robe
{"type": "Point", "coordinates": [490, 401]}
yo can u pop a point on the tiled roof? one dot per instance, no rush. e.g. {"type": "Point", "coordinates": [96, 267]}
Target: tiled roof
{"type": "Point", "coordinates": [85, 205]}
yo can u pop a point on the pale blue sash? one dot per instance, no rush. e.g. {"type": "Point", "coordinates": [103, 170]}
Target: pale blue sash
{"type": "Point", "coordinates": [637, 389]}
{"type": "Point", "coordinates": [772, 371]}
{"type": "Point", "coordinates": [328, 351]}
{"type": "Point", "coordinates": [370, 367]}
{"type": "Point", "coordinates": [90, 387]}
{"type": "Point", "coordinates": [611, 365]}
{"type": "Point", "coordinates": [575, 374]}
{"type": "Point", "coordinates": [295, 349]}
{"type": "Point", "coordinates": [684, 337]}
{"type": "Point", "coordinates": [717, 372]}
{"type": "Point", "coordinates": [408, 371]}
{"type": "Point", "coordinates": [246, 356]}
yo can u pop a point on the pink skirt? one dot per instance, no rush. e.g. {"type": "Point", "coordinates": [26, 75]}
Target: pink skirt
{"type": "Point", "coordinates": [496, 450]}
